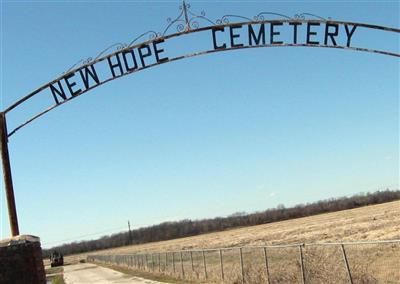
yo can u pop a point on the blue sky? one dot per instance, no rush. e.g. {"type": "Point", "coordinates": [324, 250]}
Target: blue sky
{"type": "Point", "coordinates": [203, 137]}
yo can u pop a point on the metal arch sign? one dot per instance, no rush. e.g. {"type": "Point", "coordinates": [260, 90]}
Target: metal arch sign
{"type": "Point", "coordinates": [223, 35]}
{"type": "Point", "coordinates": [231, 32]}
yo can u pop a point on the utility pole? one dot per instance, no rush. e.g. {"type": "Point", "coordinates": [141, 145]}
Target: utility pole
{"type": "Point", "coordinates": [130, 233]}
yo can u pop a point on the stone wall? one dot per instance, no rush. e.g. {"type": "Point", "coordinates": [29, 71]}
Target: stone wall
{"type": "Point", "coordinates": [21, 261]}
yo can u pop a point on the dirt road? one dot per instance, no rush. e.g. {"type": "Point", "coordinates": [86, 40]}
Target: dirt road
{"type": "Point", "coordinates": [85, 273]}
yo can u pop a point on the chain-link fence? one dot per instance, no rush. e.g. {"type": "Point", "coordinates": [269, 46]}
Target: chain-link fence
{"type": "Point", "coordinates": [355, 262]}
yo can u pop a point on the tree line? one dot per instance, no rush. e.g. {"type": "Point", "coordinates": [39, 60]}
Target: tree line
{"type": "Point", "coordinates": [186, 228]}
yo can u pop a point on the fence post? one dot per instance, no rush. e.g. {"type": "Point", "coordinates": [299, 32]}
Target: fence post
{"type": "Point", "coordinates": [183, 271]}
{"type": "Point", "coordinates": [166, 262]}
{"type": "Point", "coordinates": [152, 262]}
{"type": "Point", "coordinates": [267, 265]}
{"type": "Point", "coordinates": [159, 262]}
{"type": "Point", "coordinates": [303, 276]}
{"type": "Point", "coordinates": [173, 260]}
{"type": "Point", "coordinates": [241, 264]}
{"type": "Point", "coordinates": [346, 264]}
{"type": "Point", "coordinates": [204, 264]}
{"type": "Point", "coordinates": [191, 260]}
{"type": "Point", "coordinates": [222, 265]}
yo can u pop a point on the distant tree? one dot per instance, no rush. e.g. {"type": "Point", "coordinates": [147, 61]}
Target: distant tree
{"type": "Point", "coordinates": [185, 228]}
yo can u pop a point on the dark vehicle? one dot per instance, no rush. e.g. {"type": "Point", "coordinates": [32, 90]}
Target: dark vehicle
{"type": "Point", "coordinates": [56, 259]}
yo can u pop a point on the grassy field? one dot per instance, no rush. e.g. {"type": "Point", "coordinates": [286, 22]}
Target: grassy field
{"type": "Point", "coordinates": [377, 222]}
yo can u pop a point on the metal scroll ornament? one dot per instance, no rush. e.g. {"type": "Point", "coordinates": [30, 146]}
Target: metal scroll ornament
{"type": "Point", "coordinates": [188, 21]}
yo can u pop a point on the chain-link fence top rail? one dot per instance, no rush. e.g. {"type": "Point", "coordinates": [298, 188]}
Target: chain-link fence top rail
{"type": "Point", "coordinates": [344, 262]}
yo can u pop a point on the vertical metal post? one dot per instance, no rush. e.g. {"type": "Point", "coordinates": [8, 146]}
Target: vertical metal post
{"type": "Point", "coordinates": [191, 260]}
{"type": "Point", "coordinates": [241, 264]}
{"type": "Point", "coordinates": [221, 264]}
{"type": "Point", "coordinates": [204, 264]}
{"type": "Point", "coordinates": [173, 260]}
{"type": "Point", "coordinates": [303, 276]}
{"type": "Point", "coordinates": [346, 264]}
{"type": "Point", "coordinates": [183, 271]}
{"type": "Point", "coordinates": [266, 265]}
{"type": "Point", "coordinates": [5, 159]}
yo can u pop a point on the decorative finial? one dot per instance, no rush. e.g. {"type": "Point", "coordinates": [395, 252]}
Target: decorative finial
{"type": "Point", "coordinates": [187, 28]}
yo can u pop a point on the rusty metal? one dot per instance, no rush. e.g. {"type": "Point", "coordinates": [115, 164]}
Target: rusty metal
{"type": "Point", "coordinates": [5, 159]}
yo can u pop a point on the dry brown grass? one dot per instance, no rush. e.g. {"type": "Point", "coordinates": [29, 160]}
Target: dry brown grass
{"type": "Point", "coordinates": [377, 222]}
{"type": "Point", "coordinates": [368, 263]}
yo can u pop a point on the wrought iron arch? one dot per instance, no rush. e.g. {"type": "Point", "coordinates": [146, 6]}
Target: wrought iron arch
{"type": "Point", "coordinates": [185, 23]}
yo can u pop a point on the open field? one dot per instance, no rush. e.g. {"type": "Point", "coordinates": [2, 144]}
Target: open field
{"type": "Point", "coordinates": [377, 222]}
{"type": "Point", "coordinates": [368, 263]}
{"type": "Point", "coordinates": [373, 263]}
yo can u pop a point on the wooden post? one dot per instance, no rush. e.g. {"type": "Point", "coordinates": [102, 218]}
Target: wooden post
{"type": "Point", "coordinates": [159, 262]}
{"type": "Point", "coordinates": [267, 265]}
{"type": "Point", "coordinates": [346, 264]}
{"type": "Point", "coordinates": [5, 158]}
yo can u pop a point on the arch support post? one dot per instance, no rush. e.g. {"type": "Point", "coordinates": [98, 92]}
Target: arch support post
{"type": "Point", "coordinates": [5, 159]}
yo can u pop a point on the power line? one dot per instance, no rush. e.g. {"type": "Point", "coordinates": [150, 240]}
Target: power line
{"type": "Point", "coordinates": [84, 236]}
{"type": "Point", "coordinates": [96, 233]}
